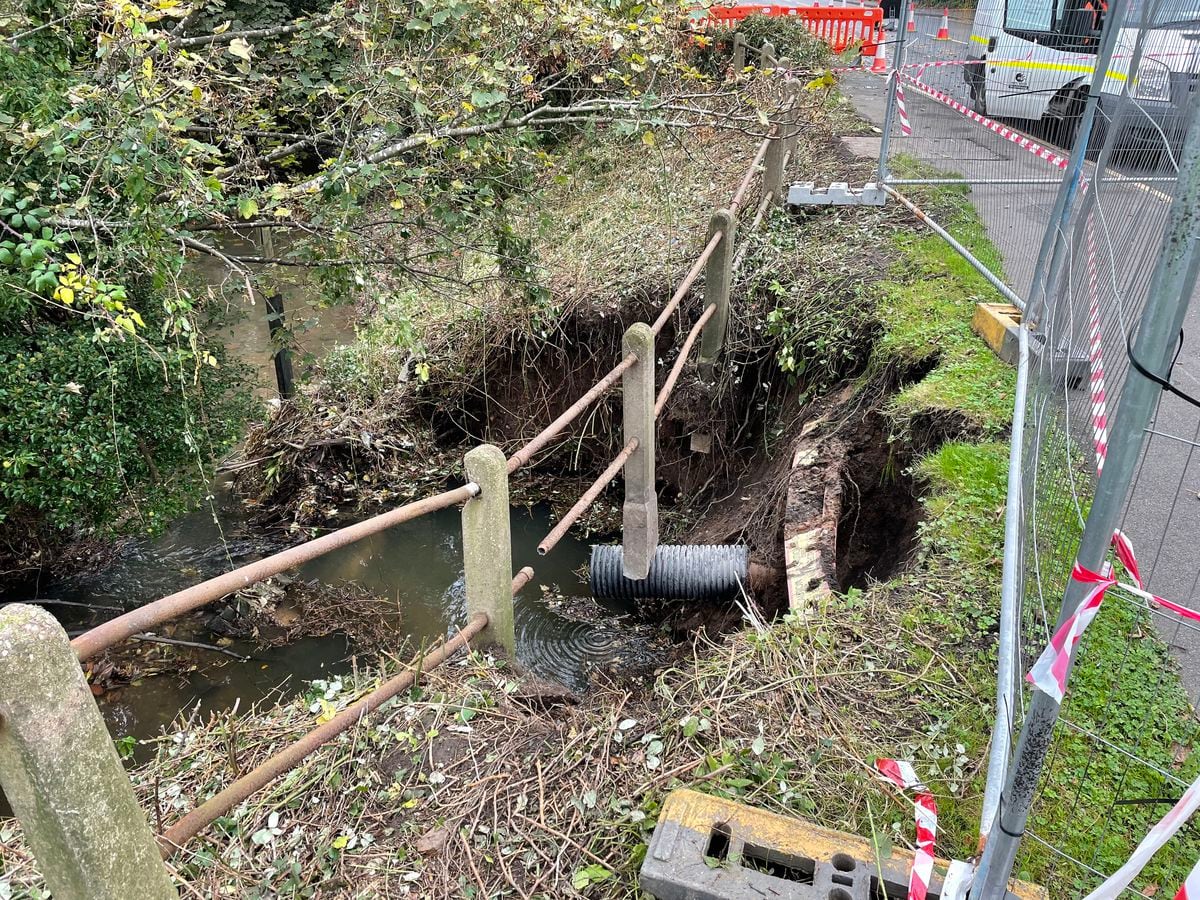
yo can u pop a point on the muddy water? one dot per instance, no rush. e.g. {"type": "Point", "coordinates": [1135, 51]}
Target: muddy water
{"type": "Point", "coordinates": [417, 564]}
{"type": "Point", "coordinates": [313, 326]}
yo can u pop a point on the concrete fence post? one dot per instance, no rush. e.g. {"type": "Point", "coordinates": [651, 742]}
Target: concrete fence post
{"type": "Point", "coordinates": [739, 52]}
{"type": "Point", "coordinates": [791, 90]}
{"type": "Point", "coordinates": [639, 515]}
{"type": "Point", "coordinates": [487, 546]}
{"type": "Point", "coordinates": [773, 162]}
{"type": "Point", "coordinates": [61, 773]}
{"type": "Point", "coordinates": [768, 59]}
{"type": "Point", "coordinates": [718, 274]}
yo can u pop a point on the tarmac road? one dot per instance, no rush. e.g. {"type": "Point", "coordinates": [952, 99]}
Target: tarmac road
{"type": "Point", "coordinates": [1163, 513]}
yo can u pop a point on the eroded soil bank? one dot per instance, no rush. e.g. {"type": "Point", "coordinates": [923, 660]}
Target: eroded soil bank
{"type": "Point", "coordinates": [828, 418]}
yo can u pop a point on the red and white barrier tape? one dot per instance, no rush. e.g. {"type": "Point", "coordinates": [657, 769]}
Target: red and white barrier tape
{"type": "Point", "coordinates": [1190, 889]}
{"type": "Point", "coordinates": [1026, 143]}
{"type": "Point", "coordinates": [902, 110]}
{"type": "Point", "coordinates": [902, 774]}
{"type": "Point", "coordinates": [1096, 353]}
{"type": "Point", "coordinates": [1049, 673]}
{"type": "Point", "coordinates": [1154, 839]}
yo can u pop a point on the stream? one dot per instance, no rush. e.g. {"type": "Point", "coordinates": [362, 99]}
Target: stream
{"type": "Point", "coordinates": [418, 565]}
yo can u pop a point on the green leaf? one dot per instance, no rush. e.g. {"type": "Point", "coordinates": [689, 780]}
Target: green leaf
{"type": "Point", "coordinates": [247, 207]}
{"type": "Point", "coordinates": [589, 875]}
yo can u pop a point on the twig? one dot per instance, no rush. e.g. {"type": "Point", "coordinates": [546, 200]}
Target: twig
{"type": "Point", "coordinates": [155, 639]}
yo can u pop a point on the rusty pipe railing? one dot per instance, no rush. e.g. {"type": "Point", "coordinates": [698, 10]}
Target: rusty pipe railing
{"type": "Point", "coordinates": [288, 758]}
{"type": "Point", "coordinates": [588, 498]}
{"type": "Point", "coordinates": [664, 393]}
{"type": "Point", "coordinates": [688, 281]}
{"type": "Point", "coordinates": [551, 431]}
{"type": "Point", "coordinates": [147, 617]}
{"type": "Point", "coordinates": [740, 194]}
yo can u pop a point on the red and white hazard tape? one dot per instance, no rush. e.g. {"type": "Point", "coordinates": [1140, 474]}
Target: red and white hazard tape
{"type": "Point", "coordinates": [1026, 143]}
{"type": "Point", "coordinates": [902, 774]}
{"type": "Point", "coordinates": [1049, 673]}
{"type": "Point", "coordinates": [1154, 839]}
{"type": "Point", "coordinates": [1190, 889]}
{"type": "Point", "coordinates": [1096, 353]}
{"type": "Point", "coordinates": [902, 110]}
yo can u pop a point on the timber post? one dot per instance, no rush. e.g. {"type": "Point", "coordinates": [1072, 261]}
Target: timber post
{"type": "Point", "coordinates": [773, 162]}
{"type": "Point", "coordinates": [276, 325]}
{"type": "Point", "coordinates": [639, 515]}
{"type": "Point", "coordinates": [718, 276]}
{"type": "Point", "coordinates": [61, 772]}
{"type": "Point", "coordinates": [487, 546]}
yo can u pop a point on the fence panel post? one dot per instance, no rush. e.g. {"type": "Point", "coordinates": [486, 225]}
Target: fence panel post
{"type": "Point", "coordinates": [639, 515]}
{"type": "Point", "coordinates": [739, 53]}
{"type": "Point", "coordinates": [487, 546]}
{"type": "Point", "coordinates": [61, 773]}
{"type": "Point", "coordinates": [718, 274]}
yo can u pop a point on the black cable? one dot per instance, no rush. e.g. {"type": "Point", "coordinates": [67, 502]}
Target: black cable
{"type": "Point", "coordinates": [1164, 383]}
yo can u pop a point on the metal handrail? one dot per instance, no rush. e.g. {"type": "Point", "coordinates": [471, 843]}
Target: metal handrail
{"type": "Point", "coordinates": [147, 617]}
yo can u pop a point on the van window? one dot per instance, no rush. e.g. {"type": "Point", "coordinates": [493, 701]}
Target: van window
{"type": "Point", "coordinates": [1028, 15]}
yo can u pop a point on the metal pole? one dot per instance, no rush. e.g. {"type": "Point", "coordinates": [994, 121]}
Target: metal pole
{"type": "Point", "coordinates": [1007, 677]}
{"type": "Point", "coordinates": [992, 278]}
{"type": "Point", "coordinates": [1169, 295]}
{"type": "Point", "coordinates": [276, 326]}
{"type": "Point", "coordinates": [893, 79]}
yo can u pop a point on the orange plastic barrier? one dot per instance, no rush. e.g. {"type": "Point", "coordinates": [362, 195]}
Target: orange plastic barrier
{"type": "Point", "coordinates": [839, 26]}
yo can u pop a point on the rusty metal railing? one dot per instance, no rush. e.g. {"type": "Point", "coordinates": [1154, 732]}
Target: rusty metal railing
{"type": "Point", "coordinates": [636, 460]}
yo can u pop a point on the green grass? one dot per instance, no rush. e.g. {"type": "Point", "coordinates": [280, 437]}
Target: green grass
{"type": "Point", "coordinates": [1125, 688]}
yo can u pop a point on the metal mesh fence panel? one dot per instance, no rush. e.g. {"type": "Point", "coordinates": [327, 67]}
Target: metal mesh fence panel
{"type": "Point", "coordinates": [1107, 289]}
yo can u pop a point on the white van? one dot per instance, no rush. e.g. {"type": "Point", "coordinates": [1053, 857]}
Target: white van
{"type": "Point", "coordinates": [1033, 59]}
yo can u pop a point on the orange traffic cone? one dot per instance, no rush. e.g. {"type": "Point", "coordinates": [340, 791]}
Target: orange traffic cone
{"type": "Point", "coordinates": [912, 22]}
{"type": "Point", "coordinates": [879, 65]}
{"type": "Point", "coordinates": [943, 33]}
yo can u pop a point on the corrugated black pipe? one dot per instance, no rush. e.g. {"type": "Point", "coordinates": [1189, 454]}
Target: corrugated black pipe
{"type": "Point", "coordinates": [678, 572]}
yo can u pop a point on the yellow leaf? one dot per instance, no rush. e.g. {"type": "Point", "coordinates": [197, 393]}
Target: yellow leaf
{"type": "Point", "coordinates": [137, 318]}
{"type": "Point", "coordinates": [824, 80]}
{"type": "Point", "coordinates": [328, 711]}
{"type": "Point", "coordinates": [197, 94]}
{"type": "Point", "coordinates": [648, 138]}
{"type": "Point", "coordinates": [340, 842]}
{"type": "Point", "coordinates": [283, 212]}
{"type": "Point", "coordinates": [75, 258]}
{"type": "Point", "coordinates": [398, 203]}
{"type": "Point", "coordinates": [64, 294]}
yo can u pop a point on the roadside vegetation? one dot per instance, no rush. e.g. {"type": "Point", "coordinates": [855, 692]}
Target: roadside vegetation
{"type": "Point", "coordinates": [386, 148]}
{"type": "Point", "coordinates": [482, 781]}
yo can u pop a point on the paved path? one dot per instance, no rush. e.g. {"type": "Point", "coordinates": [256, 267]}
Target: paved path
{"type": "Point", "coordinates": [1163, 517]}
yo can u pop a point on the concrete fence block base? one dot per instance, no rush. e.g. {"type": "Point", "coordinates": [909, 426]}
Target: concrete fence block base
{"type": "Point", "coordinates": [61, 772]}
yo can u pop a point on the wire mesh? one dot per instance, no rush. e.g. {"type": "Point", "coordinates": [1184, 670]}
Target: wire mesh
{"type": "Point", "coordinates": [995, 101]}
{"type": "Point", "coordinates": [997, 106]}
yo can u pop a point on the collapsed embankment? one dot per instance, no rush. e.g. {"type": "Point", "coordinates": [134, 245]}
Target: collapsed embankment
{"type": "Point", "coordinates": [839, 411]}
